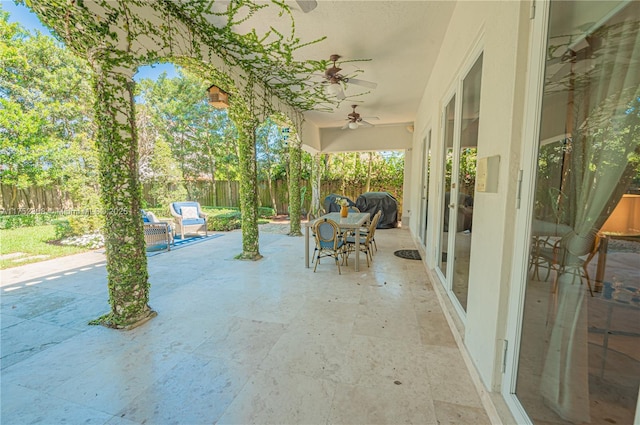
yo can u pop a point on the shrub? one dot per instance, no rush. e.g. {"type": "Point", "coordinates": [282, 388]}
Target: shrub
{"type": "Point", "coordinates": [266, 212]}
{"type": "Point", "coordinates": [16, 221]}
{"type": "Point", "coordinates": [63, 229]}
{"type": "Point", "coordinates": [78, 225]}
{"type": "Point", "coordinates": [224, 222]}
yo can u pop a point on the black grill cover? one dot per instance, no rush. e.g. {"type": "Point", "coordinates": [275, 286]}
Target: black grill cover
{"type": "Point", "coordinates": [371, 202]}
{"type": "Point", "coordinates": [330, 203]}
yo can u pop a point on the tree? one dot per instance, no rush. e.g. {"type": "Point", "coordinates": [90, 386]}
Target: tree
{"type": "Point", "coordinates": [156, 164]}
{"type": "Point", "coordinates": [201, 138]}
{"type": "Point", "coordinates": [270, 146]}
{"type": "Point", "coordinates": [46, 124]}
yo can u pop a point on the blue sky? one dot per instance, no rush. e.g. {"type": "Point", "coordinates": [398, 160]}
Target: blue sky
{"type": "Point", "coordinates": [29, 20]}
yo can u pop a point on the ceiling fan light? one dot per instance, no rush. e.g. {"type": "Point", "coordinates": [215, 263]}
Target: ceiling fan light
{"type": "Point", "coordinates": [333, 89]}
{"type": "Point", "coordinates": [353, 125]}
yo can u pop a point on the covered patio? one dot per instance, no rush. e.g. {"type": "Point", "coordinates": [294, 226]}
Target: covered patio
{"type": "Point", "coordinates": [236, 342]}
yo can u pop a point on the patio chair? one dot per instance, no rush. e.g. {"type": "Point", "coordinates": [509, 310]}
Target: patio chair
{"type": "Point", "coordinates": [156, 232]}
{"type": "Point", "coordinates": [365, 241]}
{"type": "Point", "coordinates": [188, 218]}
{"type": "Point", "coordinates": [364, 231]}
{"type": "Point", "coordinates": [329, 243]}
{"type": "Point", "coordinates": [549, 253]}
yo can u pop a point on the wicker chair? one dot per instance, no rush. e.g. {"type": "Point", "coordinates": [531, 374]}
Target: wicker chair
{"type": "Point", "coordinates": [188, 218]}
{"type": "Point", "coordinates": [365, 242]}
{"type": "Point", "coordinates": [156, 232]}
{"type": "Point", "coordinates": [364, 231]}
{"type": "Point", "coordinates": [329, 243]}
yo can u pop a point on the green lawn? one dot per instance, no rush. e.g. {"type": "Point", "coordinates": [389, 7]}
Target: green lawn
{"type": "Point", "coordinates": [29, 245]}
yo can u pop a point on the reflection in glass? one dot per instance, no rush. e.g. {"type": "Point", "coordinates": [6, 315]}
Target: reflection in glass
{"type": "Point", "coordinates": [466, 180]}
{"type": "Point", "coordinates": [580, 349]}
{"type": "Point", "coordinates": [425, 188]}
{"type": "Point", "coordinates": [448, 161]}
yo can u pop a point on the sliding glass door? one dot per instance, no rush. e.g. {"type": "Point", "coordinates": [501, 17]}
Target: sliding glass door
{"type": "Point", "coordinates": [424, 201]}
{"type": "Point", "coordinates": [579, 344]}
{"type": "Point", "coordinates": [459, 177]}
{"type": "Point", "coordinates": [447, 164]}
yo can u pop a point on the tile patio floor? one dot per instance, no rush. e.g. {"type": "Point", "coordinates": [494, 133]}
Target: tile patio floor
{"type": "Point", "coordinates": [235, 342]}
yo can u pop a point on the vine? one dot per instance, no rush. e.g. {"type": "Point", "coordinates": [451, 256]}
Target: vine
{"type": "Point", "coordinates": [257, 67]}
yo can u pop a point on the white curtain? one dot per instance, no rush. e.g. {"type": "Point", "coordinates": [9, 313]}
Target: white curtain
{"type": "Point", "coordinates": [604, 148]}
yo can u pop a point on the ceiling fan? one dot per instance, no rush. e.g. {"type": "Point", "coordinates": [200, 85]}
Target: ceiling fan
{"type": "Point", "coordinates": [354, 120]}
{"type": "Point", "coordinates": [335, 81]}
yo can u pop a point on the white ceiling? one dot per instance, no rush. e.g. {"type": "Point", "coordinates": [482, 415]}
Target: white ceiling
{"type": "Point", "coordinates": [402, 39]}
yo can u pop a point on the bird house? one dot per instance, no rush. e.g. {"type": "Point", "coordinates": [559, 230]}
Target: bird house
{"type": "Point", "coordinates": [218, 98]}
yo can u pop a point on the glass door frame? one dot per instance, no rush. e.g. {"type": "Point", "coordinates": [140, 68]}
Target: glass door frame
{"type": "Point", "coordinates": [456, 91]}
{"type": "Point", "coordinates": [424, 193]}
{"type": "Point", "coordinates": [446, 278]}
{"type": "Point", "coordinates": [524, 205]}
{"type": "Point", "coordinates": [443, 209]}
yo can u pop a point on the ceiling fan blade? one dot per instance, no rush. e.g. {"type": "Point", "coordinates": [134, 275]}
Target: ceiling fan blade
{"type": "Point", "coordinates": [365, 124]}
{"type": "Point", "coordinates": [344, 127]}
{"type": "Point", "coordinates": [340, 95]}
{"type": "Point", "coordinates": [363, 83]}
{"type": "Point", "coordinates": [370, 118]}
{"type": "Point", "coordinates": [307, 5]}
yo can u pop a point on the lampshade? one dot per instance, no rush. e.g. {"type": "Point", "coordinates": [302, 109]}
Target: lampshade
{"type": "Point", "coordinates": [625, 218]}
{"type": "Point", "coordinates": [218, 98]}
{"type": "Point", "coordinates": [353, 125]}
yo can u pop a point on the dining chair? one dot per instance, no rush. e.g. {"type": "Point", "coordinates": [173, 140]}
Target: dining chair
{"type": "Point", "coordinates": [365, 242]}
{"type": "Point", "coordinates": [548, 253]}
{"type": "Point", "coordinates": [364, 231]}
{"type": "Point", "coordinates": [329, 243]}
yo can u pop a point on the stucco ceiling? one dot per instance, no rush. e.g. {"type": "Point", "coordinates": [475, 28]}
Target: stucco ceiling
{"type": "Point", "coordinates": [402, 40]}
{"type": "Point", "coordinates": [399, 41]}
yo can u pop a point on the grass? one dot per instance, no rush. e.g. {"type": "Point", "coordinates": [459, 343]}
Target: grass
{"type": "Point", "coordinates": [27, 245]}
{"type": "Point", "coordinates": [30, 245]}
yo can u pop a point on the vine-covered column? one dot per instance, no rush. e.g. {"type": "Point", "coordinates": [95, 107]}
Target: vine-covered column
{"type": "Point", "coordinates": [295, 159]}
{"type": "Point", "coordinates": [246, 123]}
{"type": "Point", "coordinates": [316, 179]}
{"type": "Point", "coordinates": [121, 195]}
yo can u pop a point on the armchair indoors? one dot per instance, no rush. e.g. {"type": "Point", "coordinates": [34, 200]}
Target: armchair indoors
{"type": "Point", "coordinates": [188, 218]}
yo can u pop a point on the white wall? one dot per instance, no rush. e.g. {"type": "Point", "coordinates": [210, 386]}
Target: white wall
{"type": "Point", "coordinates": [378, 138]}
{"type": "Point", "coordinates": [500, 29]}
{"type": "Point", "coordinates": [310, 137]}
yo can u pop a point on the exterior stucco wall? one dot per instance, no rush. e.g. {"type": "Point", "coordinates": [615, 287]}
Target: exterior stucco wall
{"type": "Point", "coordinates": [383, 137]}
{"type": "Point", "coordinates": [310, 137]}
{"type": "Point", "coordinates": [499, 30]}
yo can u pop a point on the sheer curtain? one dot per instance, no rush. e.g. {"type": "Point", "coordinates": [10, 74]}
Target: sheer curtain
{"type": "Point", "coordinates": [603, 158]}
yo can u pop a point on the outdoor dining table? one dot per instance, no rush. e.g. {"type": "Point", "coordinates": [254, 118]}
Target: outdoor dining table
{"type": "Point", "coordinates": [351, 222]}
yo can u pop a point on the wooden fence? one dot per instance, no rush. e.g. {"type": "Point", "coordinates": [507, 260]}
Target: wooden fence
{"type": "Point", "coordinates": [224, 193]}
{"type": "Point", "coordinates": [33, 199]}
